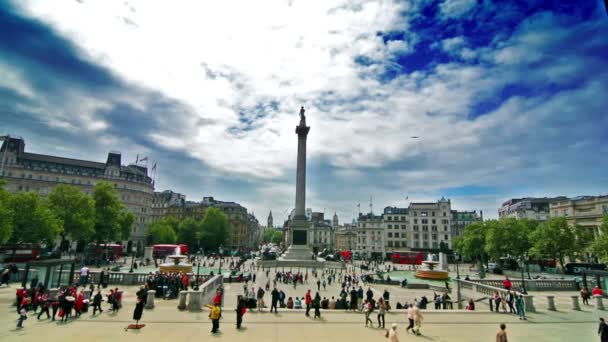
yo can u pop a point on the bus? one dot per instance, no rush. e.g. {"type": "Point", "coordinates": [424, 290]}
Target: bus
{"type": "Point", "coordinates": [160, 251]}
{"type": "Point", "coordinates": [19, 253]}
{"type": "Point", "coordinates": [407, 258]}
{"type": "Point", "coordinates": [109, 251]}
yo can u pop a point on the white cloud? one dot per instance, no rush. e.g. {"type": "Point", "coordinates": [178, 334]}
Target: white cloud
{"type": "Point", "coordinates": [456, 8]}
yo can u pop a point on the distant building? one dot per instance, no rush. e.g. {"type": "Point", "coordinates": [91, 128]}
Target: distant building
{"type": "Point", "coordinates": [529, 207]}
{"type": "Point", "coordinates": [346, 238]}
{"type": "Point", "coordinates": [269, 222]}
{"type": "Point", "coordinates": [370, 236]}
{"type": "Point", "coordinates": [395, 222]}
{"type": "Point", "coordinates": [40, 173]}
{"type": "Point", "coordinates": [584, 211]}
{"type": "Point", "coordinates": [162, 201]}
{"type": "Point", "coordinates": [461, 219]}
{"type": "Point", "coordinates": [335, 223]}
{"type": "Point", "coordinates": [254, 232]}
{"type": "Point", "coordinates": [430, 224]}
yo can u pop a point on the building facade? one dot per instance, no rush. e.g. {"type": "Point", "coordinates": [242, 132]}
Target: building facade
{"type": "Point", "coordinates": [321, 232]}
{"type": "Point", "coordinates": [30, 172]}
{"type": "Point", "coordinates": [346, 238]}
{"type": "Point", "coordinates": [461, 219]}
{"type": "Point", "coordinates": [584, 211]}
{"type": "Point", "coordinates": [529, 207]}
{"type": "Point", "coordinates": [254, 233]}
{"type": "Point", "coordinates": [163, 201]}
{"type": "Point", "coordinates": [430, 224]}
{"type": "Point", "coordinates": [395, 222]}
{"type": "Point", "coordinates": [370, 236]}
{"type": "Point", "coordinates": [269, 222]}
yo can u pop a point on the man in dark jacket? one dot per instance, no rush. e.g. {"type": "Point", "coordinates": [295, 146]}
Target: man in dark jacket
{"type": "Point", "coordinates": [603, 331]}
{"type": "Point", "coordinates": [353, 299]}
{"type": "Point", "coordinates": [275, 300]}
{"type": "Point", "coordinates": [369, 294]}
{"type": "Point", "coordinates": [97, 302]}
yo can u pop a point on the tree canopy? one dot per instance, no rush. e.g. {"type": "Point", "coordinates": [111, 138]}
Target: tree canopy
{"type": "Point", "coordinates": [33, 221]}
{"type": "Point", "coordinates": [6, 214]}
{"type": "Point", "coordinates": [554, 238]}
{"type": "Point", "coordinates": [75, 211]}
{"type": "Point", "coordinates": [107, 212]}
{"type": "Point", "coordinates": [161, 232]}
{"type": "Point", "coordinates": [600, 245]}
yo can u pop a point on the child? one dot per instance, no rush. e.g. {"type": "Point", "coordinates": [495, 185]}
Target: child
{"type": "Point", "coordinates": [22, 317]}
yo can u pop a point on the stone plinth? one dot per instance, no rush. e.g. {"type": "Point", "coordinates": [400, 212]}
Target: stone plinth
{"type": "Point", "coordinates": [551, 303]}
{"type": "Point", "coordinates": [150, 299]}
{"type": "Point", "coordinates": [195, 300]}
{"type": "Point", "coordinates": [599, 304]}
{"type": "Point", "coordinates": [295, 252]}
{"type": "Point", "coordinates": [575, 305]}
{"type": "Point", "coordinates": [182, 300]}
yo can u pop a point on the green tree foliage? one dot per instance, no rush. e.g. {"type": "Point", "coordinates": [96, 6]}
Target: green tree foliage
{"type": "Point", "coordinates": [508, 237]}
{"type": "Point", "coordinates": [554, 239]}
{"type": "Point", "coordinates": [277, 237]}
{"type": "Point", "coordinates": [268, 234]}
{"type": "Point", "coordinates": [75, 211]}
{"type": "Point", "coordinates": [33, 221]}
{"type": "Point", "coordinates": [215, 227]}
{"type": "Point", "coordinates": [125, 222]}
{"type": "Point", "coordinates": [582, 245]}
{"type": "Point", "coordinates": [472, 242]}
{"type": "Point", "coordinates": [6, 214]}
{"type": "Point", "coordinates": [190, 232]}
{"type": "Point", "coordinates": [161, 232]}
{"type": "Point", "coordinates": [600, 245]}
{"type": "Point", "coordinates": [107, 212]}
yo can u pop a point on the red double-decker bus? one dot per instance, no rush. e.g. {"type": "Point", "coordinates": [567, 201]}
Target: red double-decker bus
{"type": "Point", "coordinates": [407, 258]}
{"type": "Point", "coordinates": [162, 250]}
{"type": "Point", "coordinates": [19, 253]}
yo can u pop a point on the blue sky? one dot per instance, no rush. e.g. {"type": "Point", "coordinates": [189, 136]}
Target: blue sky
{"type": "Point", "coordinates": [508, 98]}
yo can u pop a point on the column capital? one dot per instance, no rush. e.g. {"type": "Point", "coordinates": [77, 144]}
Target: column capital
{"type": "Point", "coordinates": [302, 130]}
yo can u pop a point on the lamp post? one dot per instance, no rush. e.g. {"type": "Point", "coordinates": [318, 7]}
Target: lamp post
{"type": "Point", "coordinates": [219, 270]}
{"type": "Point", "coordinates": [198, 268]}
{"type": "Point", "coordinates": [132, 258]}
{"type": "Point", "coordinates": [523, 283]}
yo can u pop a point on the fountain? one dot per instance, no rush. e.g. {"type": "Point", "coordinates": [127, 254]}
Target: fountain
{"type": "Point", "coordinates": [176, 265]}
{"type": "Point", "coordinates": [428, 271]}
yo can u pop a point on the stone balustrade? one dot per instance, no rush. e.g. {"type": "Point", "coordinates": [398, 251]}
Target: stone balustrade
{"type": "Point", "coordinates": [534, 284]}
{"type": "Point", "coordinates": [488, 291]}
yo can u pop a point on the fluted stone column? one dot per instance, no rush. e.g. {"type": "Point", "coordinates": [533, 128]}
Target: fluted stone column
{"type": "Point", "coordinates": [182, 300]}
{"type": "Point", "coordinates": [551, 303]}
{"type": "Point", "coordinates": [150, 299]}
{"type": "Point", "coordinates": [575, 305]}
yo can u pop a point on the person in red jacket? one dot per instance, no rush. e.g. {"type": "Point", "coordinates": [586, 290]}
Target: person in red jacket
{"type": "Point", "coordinates": [79, 305]}
{"type": "Point", "coordinates": [308, 302]}
{"type": "Point", "coordinates": [507, 284]}
{"type": "Point", "coordinates": [597, 292]}
{"type": "Point", "coordinates": [185, 281]}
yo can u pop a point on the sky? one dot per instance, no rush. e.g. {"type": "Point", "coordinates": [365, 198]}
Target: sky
{"type": "Point", "coordinates": [507, 98]}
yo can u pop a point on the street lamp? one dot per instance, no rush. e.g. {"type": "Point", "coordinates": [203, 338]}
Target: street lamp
{"type": "Point", "coordinates": [198, 268]}
{"type": "Point", "coordinates": [456, 257]}
{"type": "Point", "coordinates": [523, 283]}
{"type": "Point", "coordinates": [132, 258]}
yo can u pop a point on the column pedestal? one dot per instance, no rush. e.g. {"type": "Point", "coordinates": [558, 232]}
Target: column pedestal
{"type": "Point", "coordinates": [575, 305]}
{"type": "Point", "coordinates": [182, 300]}
{"type": "Point", "coordinates": [150, 299]}
{"type": "Point", "coordinates": [551, 303]}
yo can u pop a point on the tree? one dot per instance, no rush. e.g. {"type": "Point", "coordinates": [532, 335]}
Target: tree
{"type": "Point", "coordinates": [472, 243]}
{"type": "Point", "coordinates": [75, 211]}
{"type": "Point", "coordinates": [125, 222]}
{"type": "Point", "coordinates": [33, 221]}
{"type": "Point", "coordinates": [508, 237]}
{"type": "Point", "coordinates": [190, 232]}
{"type": "Point", "coordinates": [554, 239]}
{"type": "Point", "coordinates": [215, 227]}
{"type": "Point", "coordinates": [268, 235]}
{"type": "Point", "coordinates": [161, 232]}
{"type": "Point", "coordinates": [107, 212]}
{"type": "Point", "coordinates": [582, 243]}
{"type": "Point", "coordinates": [277, 237]}
{"type": "Point", "coordinates": [6, 214]}
{"type": "Point", "coordinates": [600, 245]}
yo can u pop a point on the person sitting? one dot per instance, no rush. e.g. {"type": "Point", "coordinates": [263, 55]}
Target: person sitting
{"type": "Point", "coordinates": [404, 283]}
{"type": "Point", "coordinates": [290, 303]}
{"type": "Point", "coordinates": [298, 303]}
{"type": "Point", "coordinates": [332, 303]}
{"type": "Point", "coordinates": [325, 303]}
{"type": "Point", "coordinates": [399, 306]}
{"type": "Point", "coordinates": [471, 306]}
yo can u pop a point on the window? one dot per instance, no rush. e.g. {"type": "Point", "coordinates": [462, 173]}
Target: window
{"type": "Point", "coordinates": [445, 237]}
{"type": "Point", "coordinates": [425, 244]}
{"type": "Point", "coordinates": [416, 236]}
{"type": "Point", "coordinates": [444, 221]}
{"type": "Point", "coordinates": [425, 236]}
{"type": "Point", "coordinates": [432, 213]}
{"type": "Point", "coordinates": [416, 244]}
{"type": "Point", "coordinates": [425, 221]}
{"type": "Point", "coordinates": [390, 226]}
{"type": "Point", "coordinates": [390, 243]}
{"type": "Point", "coordinates": [565, 212]}
{"type": "Point", "coordinates": [402, 226]}
{"type": "Point", "coordinates": [445, 228]}
{"type": "Point", "coordinates": [390, 218]}
{"type": "Point", "coordinates": [415, 213]}
{"type": "Point", "coordinates": [40, 177]}
{"type": "Point", "coordinates": [390, 234]}
{"type": "Point", "coordinates": [444, 214]}
{"type": "Point", "coordinates": [435, 245]}
{"type": "Point", "coordinates": [23, 175]}
{"type": "Point", "coordinates": [424, 214]}
{"type": "Point", "coordinates": [20, 187]}
{"type": "Point", "coordinates": [29, 176]}
{"type": "Point", "coordinates": [434, 236]}
{"type": "Point", "coordinates": [396, 235]}
{"type": "Point", "coordinates": [415, 221]}
{"type": "Point", "coordinates": [433, 221]}
{"type": "Point", "coordinates": [416, 228]}
{"type": "Point", "coordinates": [434, 228]}
{"type": "Point", "coordinates": [425, 228]}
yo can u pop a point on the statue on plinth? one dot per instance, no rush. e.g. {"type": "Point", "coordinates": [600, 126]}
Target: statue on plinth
{"type": "Point", "coordinates": [302, 117]}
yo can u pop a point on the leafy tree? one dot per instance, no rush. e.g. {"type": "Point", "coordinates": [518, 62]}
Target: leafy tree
{"type": "Point", "coordinates": [190, 232]}
{"type": "Point", "coordinates": [33, 221]}
{"type": "Point", "coordinates": [6, 214]}
{"type": "Point", "coordinates": [268, 235]}
{"type": "Point", "coordinates": [277, 237]}
{"type": "Point", "coordinates": [600, 245]}
{"type": "Point", "coordinates": [107, 212]}
{"type": "Point", "coordinates": [508, 237]}
{"type": "Point", "coordinates": [75, 211]}
{"type": "Point", "coordinates": [582, 244]}
{"type": "Point", "coordinates": [215, 227]}
{"type": "Point", "coordinates": [125, 222]}
{"type": "Point", "coordinates": [472, 243]}
{"type": "Point", "coordinates": [161, 232]}
{"type": "Point", "coordinates": [554, 239]}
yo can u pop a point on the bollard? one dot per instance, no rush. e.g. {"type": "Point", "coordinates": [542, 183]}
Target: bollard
{"type": "Point", "coordinates": [182, 300]}
{"type": "Point", "coordinates": [529, 303]}
{"type": "Point", "coordinates": [575, 305]}
{"type": "Point", "coordinates": [195, 302]}
{"type": "Point", "coordinates": [551, 303]}
{"type": "Point", "coordinates": [150, 299]}
{"type": "Point", "coordinates": [599, 304]}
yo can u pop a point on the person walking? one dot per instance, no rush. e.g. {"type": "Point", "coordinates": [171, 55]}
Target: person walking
{"type": "Point", "coordinates": [317, 305]}
{"type": "Point", "coordinates": [369, 308]}
{"type": "Point", "coordinates": [308, 302]}
{"type": "Point", "coordinates": [381, 312]}
{"type": "Point", "coordinates": [501, 335]}
{"type": "Point", "coordinates": [241, 308]}
{"type": "Point", "coordinates": [22, 317]}
{"type": "Point", "coordinates": [521, 307]}
{"type": "Point", "coordinates": [410, 318]}
{"type": "Point", "coordinates": [97, 299]}
{"type": "Point", "coordinates": [215, 315]}
{"type": "Point", "coordinates": [274, 300]}
{"type": "Point", "coordinates": [603, 331]}
{"type": "Point", "coordinates": [585, 295]}
{"type": "Point", "coordinates": [319, 285]}
{"type": "Point", "coordinates": [392, 333]}
{"type": "Point", "coordinates": [418, 318]}
{"type": "Point", "coordinates": [45, 304]}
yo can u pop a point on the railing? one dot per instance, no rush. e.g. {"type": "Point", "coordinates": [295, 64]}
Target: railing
{"type": "Point", "coordinates": [488, 291]}
{"type": "Point", "coordinates": [534, 284]}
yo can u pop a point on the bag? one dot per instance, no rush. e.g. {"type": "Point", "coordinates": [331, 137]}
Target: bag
{"type": "Point", "coordinates": [61, 313]}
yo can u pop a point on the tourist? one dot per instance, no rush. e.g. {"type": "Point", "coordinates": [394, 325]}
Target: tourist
{"type": "Point", "coordinates": [332, 303]}
{"type": "Point", "coordinates": [308, 302]}
{"type": "Point", "coordinates": [497, 301]}
{"type": "Point", "coordinates": [45, 304]}
{"type": "Point", "coordinates": [369, 295]}
{"type": "Point", "coordinates": [22, 317]}
{"type": "Point", "coordinates": [501, 335]}
{"type": "Point", "coordinates": [603, 331]}
{"type": "Point", "coordinates": [241, 308]}
{"type": "Point", "coordinates": [260, 298]}
{"type": "Point", "coordinates": [417, 320]}
{"type": "Point", "coordinates": [298, 303]}
{"type": "Point", "coordinates": [317, 305]}
{"type": "Point", "coordinates": [274, 300]}
{"type": "Point", "coordinates": [471, 306]}
{"type": "Point", "coordinates": [381, 312]}
{"type": "Point", "coordinates": [97, 299]}
{"type": "Point", "coordinates": [319, 285]}
{"type": "Point", "coordinates": [215, 315]}
{"type": "Point", "coordinates": [290, 303]}
{"type": "Point", "coordinates": [507, 284]}
{"type": "Point", "coordinates": [369, 308]}
{"type": "Point", "coordinates": [392, 333]}
{"type": "Point", "coordinates": [585, 295]}
{"type": "Point", "coordinates": [282, 298]}
{"type": "Point", "coordinates": [353, 299]}
{"type": "Point", "coordinates": [597, 292]}
{"type": "Point", "coordinates": [79, 305]}
{"type": "Point", "coordinates": [521, 307]}
{"type": "Point", "coordinates": [84, 275]}
{"type": "Point", "coordinates": [510, 301]}
{"type": "Point", "coordinates": [437, 301]}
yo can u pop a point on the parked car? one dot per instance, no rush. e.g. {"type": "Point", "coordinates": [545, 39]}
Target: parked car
{"type": "Point", "coordinates": [494, 268]}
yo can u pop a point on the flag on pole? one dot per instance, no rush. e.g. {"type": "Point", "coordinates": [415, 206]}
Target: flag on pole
{"type": "Point", "coordinates": [154, 166]}
{"type": "Point", "coordinates": [137, 159]}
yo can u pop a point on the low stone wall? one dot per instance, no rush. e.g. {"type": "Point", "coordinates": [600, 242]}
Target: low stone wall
{"type": "Point", "coordinates": [534, 284]}
{"type": "Point", "coordinates": [488, 291]}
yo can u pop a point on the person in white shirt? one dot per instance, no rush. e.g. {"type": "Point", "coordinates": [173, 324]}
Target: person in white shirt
{"type": "Point", "coordinates": [84, 275]}
{"type": "Point", "coordinates": [410, 318]}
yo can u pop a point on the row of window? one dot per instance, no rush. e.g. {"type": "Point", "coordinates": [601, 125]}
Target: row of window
{"type": "Point", "coordinates": [390, 226]}
{"type": "Point", "coordinates": [426, 237]}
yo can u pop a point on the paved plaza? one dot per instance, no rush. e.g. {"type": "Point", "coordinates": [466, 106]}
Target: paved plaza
{"type": "Point", "coordinates": [166, 322]}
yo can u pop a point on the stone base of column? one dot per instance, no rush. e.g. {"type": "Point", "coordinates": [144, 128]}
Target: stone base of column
{"type": "Point", "coordinates": [150, 299]}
